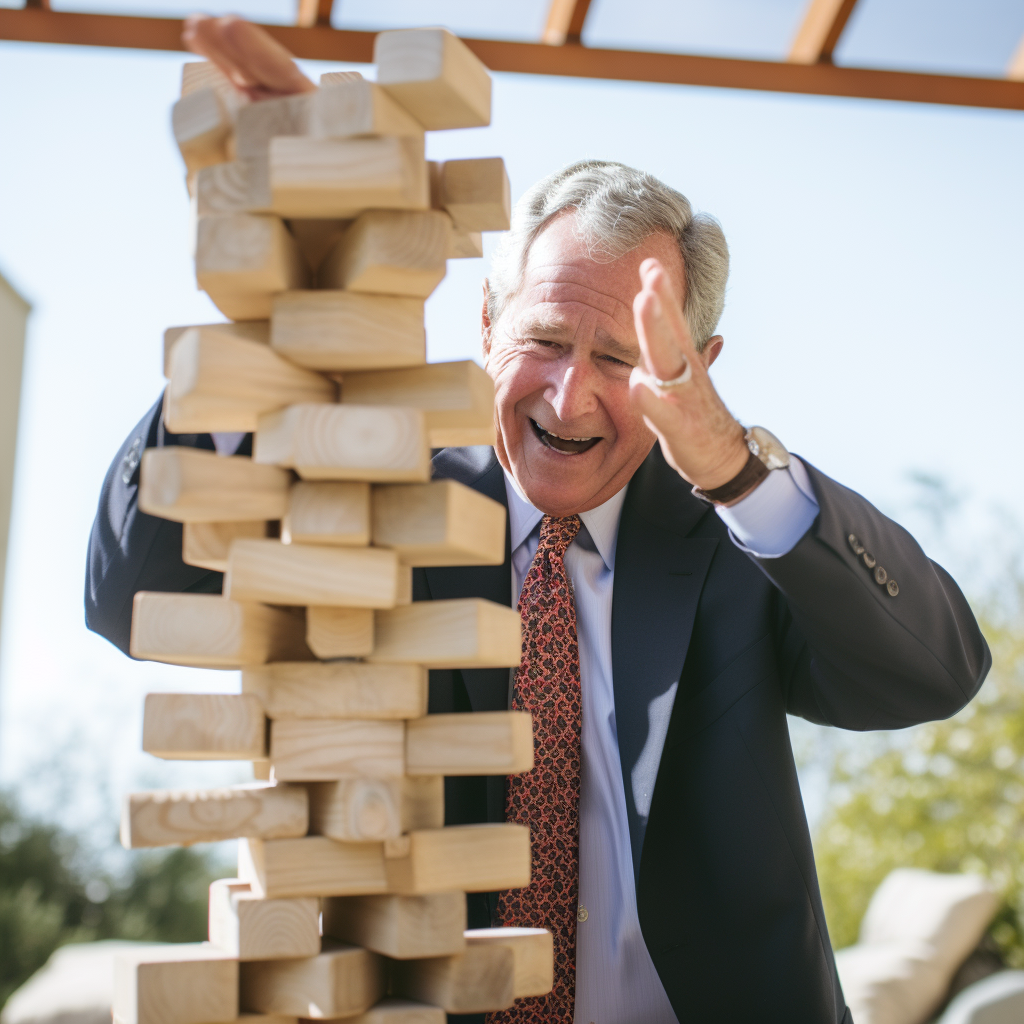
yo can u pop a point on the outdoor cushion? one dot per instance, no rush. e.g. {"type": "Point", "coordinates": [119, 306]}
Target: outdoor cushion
{"type": "Point", "coordinates": [997, 999]}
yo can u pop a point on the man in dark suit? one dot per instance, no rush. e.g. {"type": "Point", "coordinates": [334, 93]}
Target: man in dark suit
{"type": "Point", "coordinates": [667, 633]}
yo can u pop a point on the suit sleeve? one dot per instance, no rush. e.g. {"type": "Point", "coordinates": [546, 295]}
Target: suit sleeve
{"type": "Point", "coordinates": [869, 649]}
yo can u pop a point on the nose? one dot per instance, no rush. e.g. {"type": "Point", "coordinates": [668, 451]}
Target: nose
{"type": "Point", "coordinates": [571, 391]}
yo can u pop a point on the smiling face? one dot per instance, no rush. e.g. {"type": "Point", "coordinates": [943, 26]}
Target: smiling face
{"type": "Point", "coordinates": [560, 356]}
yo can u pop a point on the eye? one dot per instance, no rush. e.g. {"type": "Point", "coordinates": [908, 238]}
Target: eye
{"type": "Point", "coordinates": [612, 361]}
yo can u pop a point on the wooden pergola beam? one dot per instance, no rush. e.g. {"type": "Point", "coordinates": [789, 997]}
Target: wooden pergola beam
{"type": "Point", "coordinates": [565, 22]}
{"type": "Point", "coordinates": [819, 32]}
{"type": "Point", "coordinates": [314, 12]}
{"type": "Point", "coordinates": [321, 43]}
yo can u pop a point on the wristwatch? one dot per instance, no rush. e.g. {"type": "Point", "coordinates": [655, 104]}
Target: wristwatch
{"type": "Point", "coordinates": [767, 452]}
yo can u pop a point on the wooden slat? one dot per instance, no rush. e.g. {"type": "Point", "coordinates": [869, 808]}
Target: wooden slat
{"type": "Point", "coordinates": [314, 12]}
{"type": "Point", "coordinates": [819, 32]}
{"type": "Point", "coordinates": [565, 22]}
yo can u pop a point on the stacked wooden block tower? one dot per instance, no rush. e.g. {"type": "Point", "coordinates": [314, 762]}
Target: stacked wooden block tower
{"type": "Point", "coordinates": [320, 231]}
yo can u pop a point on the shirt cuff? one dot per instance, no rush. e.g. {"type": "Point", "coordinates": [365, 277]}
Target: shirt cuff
{"type": "Point", "coordinates": [770, 521]}
{"type": "Point", "coordinates": [227, 443]}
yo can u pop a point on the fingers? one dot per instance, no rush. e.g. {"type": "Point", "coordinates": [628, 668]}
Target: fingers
{"type": "Point", "coordinates": [665, 340]}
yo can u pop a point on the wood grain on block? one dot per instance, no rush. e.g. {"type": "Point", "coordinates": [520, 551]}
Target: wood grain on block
{"type": "Point", "coordinates": [209, 631]}
{"type": "Point", "coordinates": [479, 979]}
{"type": "Point", "coordinates": [346, 442]}
{"type": "Point", "coordinates": [476, 193]}
{"type": "Point", "coordinates": [474, 743]}
{"type": "Point", "coordinates": [339, 689]}
{"type": "Point", "coordinates": [240, 186]}
{"type": "Point", "coordinates": [207, 544]}
{"type": "Point", "coordinates": [440, 523]}
{"type": "Point", "coordinates": [315, 237]}
{"type": "Point", "coordinates": [435, 76]}
{"type": "Point", "coordinates": [203, 126]}
{"type": "Point", "coordinates": [400, 1011]}
{"type": "Point", "coordinates": [391, 252]}
{"type": "Point", "coordinates": [339, 632]}
{"type": "Point", "coordinates": [202, 74]}
{"type": "Point", "coordinates": [260, 122]}
{"type": "Point", "coordinates": [204, 726]}
{"type": "Point", "coordinates": [249, 330]}
{"type": "Point", "coordinates": [328, 512]}
{"type": "Point", "coordinates": [457, 398]}
{"type": "Point", "coordinates": [533, 949]}
{"type": "Point", "coordinates": [461, 633]}
{"type": "Point", "coordinates": [301, 574]}
{"type": "Point", "coordinates": [336, 77]}
{"type": "Point", "coordinates": [466, 245]}
{"type": "Point", "coordinates": [359, 107]}
{"type": "Point", "coordinates": [342, 177]}
{"type": "Point", "coordinates": [255, 929]}
{"type": "Point", "coordinates": [313, 749]}
{"type": "Point", "coordinates": [338, 982]}
{"type": "Point", "coordinates": [364, 810]}
{"type": "Point", "coordinates": [311, 866]}
{"type": "Point", "coordinates": [331, 330]}
{"type": "Point", "coordinates": [179, 817]}
{"type": "Point", "coordinates": [461, 858]}
{"type": "Point", "coordinates": [189, 983]}
{"type": "Point", "coordinates": [194, 486]}
{"type": "Point", "coordinates": [401, 927]}
{"type": "Point", "coordinates": [261, 769]}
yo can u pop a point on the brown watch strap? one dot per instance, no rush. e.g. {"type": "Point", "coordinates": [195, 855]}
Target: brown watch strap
{"type": "Point", "coordinates": [752, 473]}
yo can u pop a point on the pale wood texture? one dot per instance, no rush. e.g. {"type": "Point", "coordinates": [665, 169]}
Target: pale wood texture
{"type": "Point", "coordinates": [346, 442]}
{"type": "Point", "coordinates": [204, 727]}
{"type": "Point", "coordinates": [457, 398]}
{"type": "Point", "coordinates": [342, 177]}
{"type": "Point", "coordinates": [260, 122]}
{"type": "Point", "coordinates": [194, 486]}
{"type": "Point", "coordinates": [339, 632]}
{"type": "Point", "coordinates": [533, 949]}
{"type": "Point", "coordinates": [401, 927]}
{"type": "Point", "coordinates": [339, 689]}
{"type": "Point", "coordinates": [477, 743]}
{"type": "Point", "coordinates": [466, 245]}
{"type": "Point", "coordinates": [328, 512]}
{"type": "Point", "coordinates": [358, 107]}
{"type": "Point", "coordinates": [476, 193]}
{"type": "Point", "coordinates": [400, 1011]}
{"type": "Point", "coordinates": [371, 810]}
{"type": "Point", "coordinates": [315, 750]}
{"type": "Point", "coordinates": [338, 982]}
{"type": "Point", "coordinates": [190, 983]}
{"type": "Point", "coordinates": [337, 77]}
{"type": "Point", "coordinates": [311, 866]}
{"type": "Point", "coordinates": [301, 574]}
{"type": "Point", "coordinates": [461, 858]}
{"type": "Point", "coordinates": [209, 631]}
{"type": "Point", "coordinates": [207, 544]}
{"type": "Point", "coordinates": [440, 523]}
{"type": "Point", "coordinates": [819, 31]}
{"type": "Point", "coordinates": [316, 238]}
{"type": "Point", "coordinates": [461, 633]}
{"type": "Point", "coordinates": [241, 186]}
{"type": "Point", "coordinates": [179, 817]}
{"type": "Point", "coordinates": [253, 929]}
{"type": "Point", "coordinates": [249, 330]}
{"type": "Point", "coordinates": [479, 979]}
{"type": "Point", "coordinates": [392, 252]}
{"type": "Point", "coordinates": [203, 126]}
{"type": "Point", "coordinates": [202, 74]}
{"type": "Point", "coordinates": [219, 383]}
{"type": "Point", "coordinates": [435, 76]}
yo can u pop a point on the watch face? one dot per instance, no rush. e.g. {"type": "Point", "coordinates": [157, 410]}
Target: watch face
{"type": "Point", "coordinates": [767, 447]}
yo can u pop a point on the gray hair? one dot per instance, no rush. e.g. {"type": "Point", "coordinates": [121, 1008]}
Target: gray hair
{"type": "Point", "coordinates": [617, 208]}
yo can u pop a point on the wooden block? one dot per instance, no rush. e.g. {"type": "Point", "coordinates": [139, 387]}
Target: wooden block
{"type": "Point", "coordinates": [338, 982]}
{"type": "Point", "coordinates": [267, 570]}
{"type": "Point", "coordinates": [400, 1011]}
{"type": "Point", "coordinates": [204, 74]}
{"type": "Point", "coordinates": [204, 727]}
{"type": "Point", "coordinates": [461, 858]}
{"type": "Point", "coordinates": [342, 177]}
{"type": "Point", "coordinates": [476, 193]}
{"type": "Point", "coordinates": [346, 442]}
{"type": "Point", "coordinates": [207, 544]}
{"type": "Point", "coordinates": [461, 633]}
{"type": "Point", "coordinates": [259, 123]}
{"type": "Point", "coordinates": [358, 107]}
{"type": "Point", "coordinates": [190, 983]}
{"type": "Point", "coordinates": [252, 330]}
{"type": "Point", "coordinates": [371, 810]}
{"type": "Point", "coordinates": [316, 238]}
{"type": "Point", "coordinates": [203, 126]}
{"type": "Point", "coordinates": [466, 245]}
{"type": "Point", "coordinates": [336, 77]}
{"type": "Point", "coordinates": [401, 927]}
{"type": "Point", "coordinates": [330, 330]}
{"type": "Point", "coordinates": [179, 817]}
{"type": "Point", "coordinates": [311, 866]}
{"type": "Point", "coordinates": [340, 689]}
{"type": "Point", "coordinates": [208, 631]}
{"type": "Point", "coordinates": [435, 76]}
{"type": "Point", "coordinates": [393, 252]}
{"type": "Point", "coordinates": [533, 950]}
{"type": "Point", "coordinates": [240, 186]}
{"type": "Point", "coordinates": [474, 743]}
{"type": "Point", "coordinates": [479, 979]}
{"type": "Point", "coordinates": [457, 398]}
{"type": "Point", "coordinates": [261, 769]}
{"type": "Point", "coordinates": [314, 750]}
{"type": "Point", "coordinates": [329, 512]}
{"type": "Point", "coordinates": [253, 929]}
{"type": "Point", "coordinates": [194, 486]}
{"type": "Point", "coordinates": [339, 632]}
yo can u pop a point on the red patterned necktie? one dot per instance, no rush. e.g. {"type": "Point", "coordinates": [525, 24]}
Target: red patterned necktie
{"type": "Point", "coordinates": [547, 799]}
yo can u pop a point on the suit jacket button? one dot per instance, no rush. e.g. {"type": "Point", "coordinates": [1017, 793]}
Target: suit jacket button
{"type": "Point", "coordinates": [893, 587]}
{"type": "Point", "coordinates": [869, 559]}
{"type": "Point", "coordinates": [582, 915]}
{"type": "Point", "coordinates": [855, 545]}
{"type": "Point", "coordinates": [881, 576]}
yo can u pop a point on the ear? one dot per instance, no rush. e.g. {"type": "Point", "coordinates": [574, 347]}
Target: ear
{"type": "Point", "coordinates": [485, 323]}
{"type": "Point", "coordinates": [712, 350]}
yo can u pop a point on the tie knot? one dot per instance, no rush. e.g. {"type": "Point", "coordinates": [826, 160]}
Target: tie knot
{"type": "Point", "coordinates": [557, 534]}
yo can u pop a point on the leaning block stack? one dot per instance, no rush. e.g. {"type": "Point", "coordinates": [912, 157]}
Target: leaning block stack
{"type": "Point", "coordinates": [320, 231]}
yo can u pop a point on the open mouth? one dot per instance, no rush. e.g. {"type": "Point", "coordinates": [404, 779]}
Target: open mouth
{"type": "Point", "coordinates": [565, 445]}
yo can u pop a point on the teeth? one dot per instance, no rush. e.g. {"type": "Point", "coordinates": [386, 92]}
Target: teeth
{"type": "Point", "coordinates": [560, 438]}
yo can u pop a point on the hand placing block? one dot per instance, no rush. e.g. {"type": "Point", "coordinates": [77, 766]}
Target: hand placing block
{"type": "Point", "coordinates": [474, 743]}
{"type": "Point", "coordinates": [435, 76]}
{"type": "Point", "coordinates": [372, 810]}
{"type": "Point", "coordinates": [314, 750]}
{"type": "Point", "coordinates": [209, 631]}
{"type": "Point", "coordinates": [253, 929]}
{"type": "Point", "coordinates": [329, 512]}
{"type": "Point", "coordinates": [476, 193]}
{"type": "Point", "coordinates": [534, 953]}
{"type": "Point", "coordinates": [180, 817]}
{"type": "Point", "coordinates": [340, 632]}
{"type": "Point", "coordinates": [204, 727]}
{"type": "Point", "coordinates": [358, 107]}
{"type": "Point", "coordinates": [249, 330]}
{"type": "Point", "coordinates": [401, 927]}
{"type": "Point", "coordinates": [480, 979]}
{"type": "Point", "coordinates": [207, 544]}
{"type": "Point", "coordinates": [311, 866]}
